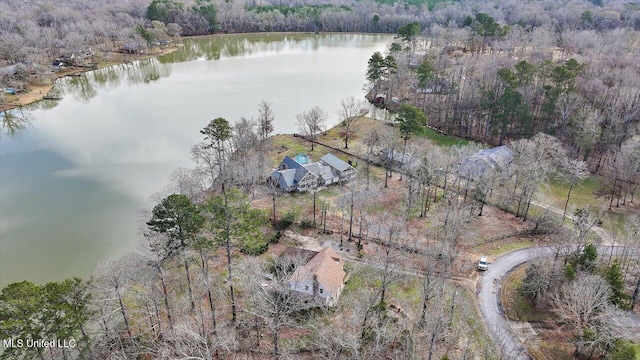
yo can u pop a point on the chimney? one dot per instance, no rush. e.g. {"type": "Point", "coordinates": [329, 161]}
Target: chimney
{"type": "Point", "coordinates": [315, 285]}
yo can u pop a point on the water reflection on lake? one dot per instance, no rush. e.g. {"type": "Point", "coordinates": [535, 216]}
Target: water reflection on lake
{"type": "Point", "coordinates": [75, 174]}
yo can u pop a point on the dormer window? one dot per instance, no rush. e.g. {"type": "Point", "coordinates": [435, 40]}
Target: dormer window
{"type": "Point", "coordinates": [321, 291]}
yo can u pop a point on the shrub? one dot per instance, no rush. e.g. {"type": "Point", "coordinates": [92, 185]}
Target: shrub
{"type": "Point", "coordinates": [622, 350]}
{"type": "Point", "coordinates": [306, 224]}
{"type": "Point", "coordinates": [286, 221]}
{"type": "Point", "coordinates": [254, 246]}
{"type": "Point", "coordinates": [276, 237]}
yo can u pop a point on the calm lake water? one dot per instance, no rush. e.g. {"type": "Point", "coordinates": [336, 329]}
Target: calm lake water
{"type": "Point", "coordinates": [74, 181]}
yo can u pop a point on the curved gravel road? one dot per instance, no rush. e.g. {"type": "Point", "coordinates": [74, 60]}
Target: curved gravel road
{"type": "Point", "coordinates": [489, 295]}
{"type": "Point", "coordinates": [489, 300]}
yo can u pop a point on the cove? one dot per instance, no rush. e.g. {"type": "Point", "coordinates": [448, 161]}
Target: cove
{"type": "Point", "coordinates": [76, 174]}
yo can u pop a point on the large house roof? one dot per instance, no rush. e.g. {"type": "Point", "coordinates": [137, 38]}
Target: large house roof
{"type": "Point", "coordinates": [292, 164]}
{"type": "Point", "coordinates": [319, 170]}
{"type": "Point", "coordinates": [327, 267]}
{"type": "Point", "coordinates": [8, 70]}
{"type": "Point", "coordinates": [397, 156]}
{"type": "Point", "coordinates": [480, 162]}
{"type": "Point", "coordinates": [335, 162]}
{"type": "Point", "coordinates": [297, 255]}
{"type": "Point", "coordinates": [285, 177]}
{"type": "Point", "coordinates": [498, 156]}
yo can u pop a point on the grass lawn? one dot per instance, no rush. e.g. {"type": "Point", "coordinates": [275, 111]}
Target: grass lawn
{"type": "Point", "coordinates": [583, 194]}
{"type": "Point", "coordinates": [495, 249]}
{"type": "Point", "coordinates": [408, 291]}
{"type": "Point", "coordinates": [551, 351]}
{"type": "Point", "coordinates": [633, 7]}
{"type": "Point", "coordinates": [287, 145]}
{"type": "Point", "coordinates": [443, 140]}
{"type": "Point", "coordinates": [516, 306]}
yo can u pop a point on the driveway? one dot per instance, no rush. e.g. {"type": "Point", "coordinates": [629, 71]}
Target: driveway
{"type": "Point", "coordinates": [489, 299]}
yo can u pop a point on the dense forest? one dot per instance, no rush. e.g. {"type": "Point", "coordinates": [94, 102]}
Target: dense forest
{"type": "Point", "coordinates": [497, 83]}
{"type": "Point", "coordinates": [41, 31]}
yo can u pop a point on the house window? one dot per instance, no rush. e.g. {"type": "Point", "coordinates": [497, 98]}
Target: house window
{"type": "Point", "coordinates": [321, 291]}
{"type": "Point", "coordinates": [306, 287]}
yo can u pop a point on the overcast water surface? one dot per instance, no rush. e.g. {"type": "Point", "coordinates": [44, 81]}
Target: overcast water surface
{"type": "Point", "coordinates": [74, 181]}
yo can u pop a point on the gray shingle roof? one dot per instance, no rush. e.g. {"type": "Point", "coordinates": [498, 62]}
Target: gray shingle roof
{"type": "Point", "coordinates": [285, 178]}
{"type": "Point", "coordinates": [313, 168]}
{"type": "Point", "coordinates": [335, 162]}
{"type": "Point", "coordinates": [320, 171]}
{"type": "Point", "coordinates": [397, 156]}
{"type": "Point", "coordinates": [8, 70]}
{"type": "Point", "coordinates": [480, 162]}
{"type": "Point", "coordinates": [292, 164]}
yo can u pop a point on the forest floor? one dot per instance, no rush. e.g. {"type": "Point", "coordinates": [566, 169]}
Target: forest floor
{"type": "Point", "coordinates": [39, 89]}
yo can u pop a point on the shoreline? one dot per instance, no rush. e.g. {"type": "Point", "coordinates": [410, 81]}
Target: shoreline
{"type": "Point", "coordinates": [39, 91]}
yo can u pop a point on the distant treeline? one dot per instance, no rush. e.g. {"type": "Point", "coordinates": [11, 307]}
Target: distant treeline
{"type": "Point", "coordinates": [497, 83]}
{"type": "Point", "coordinates": [39, 31]}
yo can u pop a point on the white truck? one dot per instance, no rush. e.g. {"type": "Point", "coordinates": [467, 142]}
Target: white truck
{"type": "Point", "coordinates": [483, 264]}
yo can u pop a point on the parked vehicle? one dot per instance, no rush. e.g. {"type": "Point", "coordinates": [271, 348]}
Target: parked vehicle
{"type": "Point", "coordinates": [483, 264]}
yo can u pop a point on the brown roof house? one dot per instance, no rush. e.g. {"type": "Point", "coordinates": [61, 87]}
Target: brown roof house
{"type": "Point", "coordinates": [321, 278]}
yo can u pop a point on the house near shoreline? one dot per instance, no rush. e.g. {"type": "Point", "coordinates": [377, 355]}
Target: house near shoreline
{"type": "Point", "coordinates": [291, 175]}
{"type": "Point", "coordinates": [485, 161]}
{"type": "Point", "coordinates": [321, 279]}
{"type": "Point", "coordinates": [398, 160]}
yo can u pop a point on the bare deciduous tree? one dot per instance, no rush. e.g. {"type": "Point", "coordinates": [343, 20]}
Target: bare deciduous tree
{"type": "Point", "coordinates": [582, 302]}
{"type": "Point", "coordinates": [351, 110]}
{"type": "Point", "coordinates": [265, 120]}
{"type": "Point", "coordinates": [270, 298]}
{"type": "Point", "coordinates": [371, 138]}
{"type": "Point", "coordinates": [567, 105]}
{"type": "Point", "coordinates": [573, 171]}
{"type": "Point", "coordinates": [311, 123]}
{"type": "Point", "coordinates": [116, 275]}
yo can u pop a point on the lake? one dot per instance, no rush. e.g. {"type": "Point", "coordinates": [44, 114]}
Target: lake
{"type": "Point", "coordinates": [76, 179]}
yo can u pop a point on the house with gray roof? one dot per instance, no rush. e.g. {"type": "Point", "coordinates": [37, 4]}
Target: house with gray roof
{"type": "Point", "coordinates": [399, 160]}
{"type": "Point", "coordinates": [324, 173]}
{"type": "Point", "coordinates": [293, 176]}
{"type": "Point", "coordinates": [485, 161]}
{"type": "Point", "coordinates": [342, 171]}
{"type": "Point", "coordinates": [8, 71]}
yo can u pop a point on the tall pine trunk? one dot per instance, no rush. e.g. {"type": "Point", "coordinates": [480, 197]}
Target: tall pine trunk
{"type": "Point", "coordinates": [165, 292]}
{"type": "Point", "coordinates": [186, 269]}
{"type": "Point", "coordinates": [228, 243]}
{"type": "Point", "coordinates": [212, 308]}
